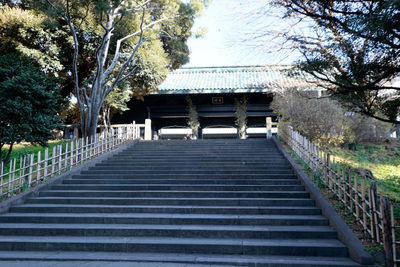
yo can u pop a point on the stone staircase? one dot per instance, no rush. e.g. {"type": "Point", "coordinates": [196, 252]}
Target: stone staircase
{"type": "Point", "coordinates": [214, 202]}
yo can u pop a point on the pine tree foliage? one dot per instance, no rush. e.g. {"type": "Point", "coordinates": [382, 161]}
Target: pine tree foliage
{"type": "Point", "coordinates": [241, 116]}
{"type": "Point", "coordinates": [193, 121]}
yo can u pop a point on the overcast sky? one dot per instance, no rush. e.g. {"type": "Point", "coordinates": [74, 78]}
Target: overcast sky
{"type": "Point", "coordinates": [229, 25]}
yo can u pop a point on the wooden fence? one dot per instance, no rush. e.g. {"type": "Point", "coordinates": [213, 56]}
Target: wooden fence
{"type": "Point", "coordinates": [373, 212]}
{"type": "Point", "coordinates": [31, 170]}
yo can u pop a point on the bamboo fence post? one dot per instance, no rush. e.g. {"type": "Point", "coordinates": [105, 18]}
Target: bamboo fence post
{"type": "Point", "coordinates": [46, 159]}
{"type": "Point", "coordinates": [90, 147]}
{"type": "Point", "coordinates": [66, 159]}
{"type": "Point", "coordinates": [95, 145]}
{"type": "Point", "coordinates": [21, 166]}
{"type": "Point", "coordinates": [364, 204]}
{"type": "Point", "coordinates": [86, 147]}
{"type": "Point", "coordinates": [13, 175]}
{"type": "Point", "coordinates": [82, 144]}
{"type": "Point", "coordinates": [393, 229]}
{"type": "Point", "coordinates": [350, 190]}
{"type": "Point", "coordinates": [356, 198]}
{"type": "Point", "coordinates": [71, 152]}
{"type": "Point", "coordinates": [386, 229]}
{"type": "Point", "coordinates": [334, 176]}
{"type": "Point", "coordinates": [373, 205]}
{"type": "Point", "coordinates": [345, 187]}
{"type": "Point", "coordinates": [315, 157]}
{"type": "Point", "coordinates": [338, 168]}
{"type": "Point", "coordinates": [325, 168]}
{"type": "Point", "coordinates": [77, 151]}
{"type": "Point", "coordinates": [38, 169]}
{"type": "Point", "coordinates": [102, 143]}
{"type": "Point", "coordinates": [10, 175]}
{"type": "Point", "coordinates": [24, 169]}
{"type": "Point", "coordinates": [31, 158]}
{"type": "Point", "coordinates": [53, 160]}
{"type": "Point", "coordinates": [59, 158]}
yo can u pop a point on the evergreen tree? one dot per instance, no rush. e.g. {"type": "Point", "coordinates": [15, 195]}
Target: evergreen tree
{"type": "Point", "coordinates": [29, 104]}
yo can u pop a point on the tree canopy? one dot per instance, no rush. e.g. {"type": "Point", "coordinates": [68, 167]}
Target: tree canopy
{"type": "Point", "coordinates": [29, 103]}
{"type": "Point", "coordinates": [351, 48]}
{"type": "Point", "coordinates": [94, 45]}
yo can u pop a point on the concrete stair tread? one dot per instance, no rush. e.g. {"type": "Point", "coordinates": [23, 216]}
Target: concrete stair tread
{"type": "Point", "coordinates": [208, 227]}
{"type": "Point", "coordinates": [158, 180]}
{"type": "Point", "coordinates": [177, 240]}
{"type": "Point", "coordinates": [172, 198]}
{"type": "Point", "coordinates": [179, 191]}
{"type": "Point", "coordinates": [73, 258]}
{"type": "Point", "coordinates": [172, 203]}
{"type": "Point", "coordinates": [166, 215]}
{"type": "Point", "coordinates": [169, 206]}
{"type": "Point", "coordinates": [246, 186]}
{"type": "Point", "coordinates": [95, 208]}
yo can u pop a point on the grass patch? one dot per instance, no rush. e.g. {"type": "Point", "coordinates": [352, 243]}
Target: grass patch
{"type": "Point", "coordinates": [382, 160]}
{"type": "Point", "coordinates": [22, 149]}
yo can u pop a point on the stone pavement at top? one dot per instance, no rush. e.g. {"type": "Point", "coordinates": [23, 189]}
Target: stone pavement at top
{"type": "Point", "coordinates": [175, 203]}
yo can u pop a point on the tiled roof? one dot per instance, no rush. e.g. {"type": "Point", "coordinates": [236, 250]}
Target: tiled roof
{"type": "Point", "coordinates": [237, 79]}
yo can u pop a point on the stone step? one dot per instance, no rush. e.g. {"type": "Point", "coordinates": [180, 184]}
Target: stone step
{"type": "Point", "coordinates": [247, 210]}
{"type": "Point", "coordinates": [100, 179]}
{"type": "Point", "coordinates": [154, 230]}
{"type": "Point", "coordinates": [90, 175]}
{"type": "Point", "coordinates": [184, 187]}
{"type": "Point", "coordinates": [205, 161]}
{"type": "Point", "coordinates": [174, 165]}
{"type": "Point", "coordinates": [193, 158]}
{"type": "Point", "coordinates": [208, 202]}
{"type": "Point", "coordinates": [151, 218]}
{"type": "Point", "coordinates": [191, 154]}
{"type": "Point", "coordinates": [176, 201]}
{"type": "Point", "coordinates": [174, 194]}
{"type": "Point", "coordinates": [187, 172]}
{"type": "Point", "coordinates": [293, 247]}
{"type": "Point", "coordinates": [211, 169]}
{"type": "Point", "coordinates": [118, 259]}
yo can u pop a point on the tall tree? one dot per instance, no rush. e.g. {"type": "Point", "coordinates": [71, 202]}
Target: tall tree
{"type": "Point", "coordinates": [126, 25]}
{"type": "Point", "coordinates": [42, 31]}
{"type": "Point", "coordinates": [29, 104]}
{"type": "Point", "coordinates": [351, 48]}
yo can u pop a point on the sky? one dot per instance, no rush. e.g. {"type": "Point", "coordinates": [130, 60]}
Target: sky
{"type": "Point", "coordinates": [230, 25]}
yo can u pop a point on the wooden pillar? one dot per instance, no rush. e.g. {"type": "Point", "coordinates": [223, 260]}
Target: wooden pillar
{"type": "Point", "coordinates": [147, 129]}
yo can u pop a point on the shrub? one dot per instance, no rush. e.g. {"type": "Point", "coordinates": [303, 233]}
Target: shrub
{"type": "Point", "coordinates": [324, 120]}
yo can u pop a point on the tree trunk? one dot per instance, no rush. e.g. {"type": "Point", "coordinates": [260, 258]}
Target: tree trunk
{"type": "Point", "coordinates": [7, 158]}
{"type": "Point", "coordinates": [398, 130]}
{"type": "Point", "coordinates": [108, 118]}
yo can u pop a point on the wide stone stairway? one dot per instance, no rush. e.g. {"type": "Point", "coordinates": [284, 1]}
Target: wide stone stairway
{"type": "Point", "coordinates": [213, 202]}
